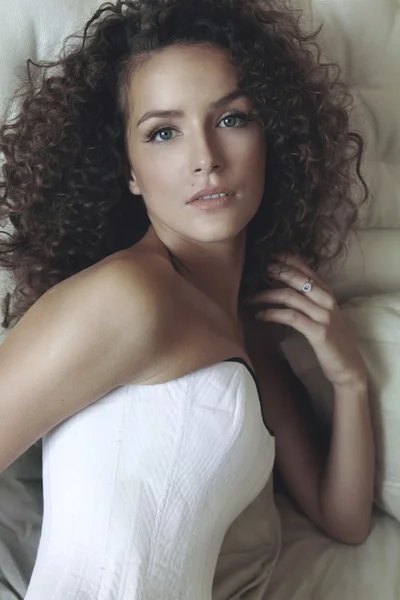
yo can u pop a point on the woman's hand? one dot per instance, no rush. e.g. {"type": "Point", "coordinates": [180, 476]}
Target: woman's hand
{"type": "Point", "coordinates": [316, 315]}
{"type": "Point", "coordinates": [335, 490]}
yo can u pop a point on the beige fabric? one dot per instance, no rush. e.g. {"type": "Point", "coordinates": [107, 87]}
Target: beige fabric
{"type": "Point", "coordinates": [249, 551]}
{"type": "Point", "coordinates": [313, 567]}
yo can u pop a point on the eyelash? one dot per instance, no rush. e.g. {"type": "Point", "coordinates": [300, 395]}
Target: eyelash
{"type": "Point", "coordinates": [246, 117]}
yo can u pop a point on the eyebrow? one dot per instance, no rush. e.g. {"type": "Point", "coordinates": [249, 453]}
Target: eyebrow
{"type": "Point", "coordinates": [165, 114]}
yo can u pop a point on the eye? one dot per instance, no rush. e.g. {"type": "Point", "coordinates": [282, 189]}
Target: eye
{"type": "Point", "coordinates": [164, 133]}
{"type": "Point", "coordinates": [232, 119]}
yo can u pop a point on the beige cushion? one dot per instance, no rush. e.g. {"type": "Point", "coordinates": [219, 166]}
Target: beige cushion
{"type": "Point", "coordinates": [376, 324]}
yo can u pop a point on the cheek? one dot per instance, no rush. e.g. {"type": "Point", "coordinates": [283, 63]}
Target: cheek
{"type": "Point", "coordinates": [249, 148]}
{"type": "Point", "coordinates": [252, 158]}
{"type": "Point", "coordinates": [157, 174]}
{"type": "Point", "coordinates": [159, 183]}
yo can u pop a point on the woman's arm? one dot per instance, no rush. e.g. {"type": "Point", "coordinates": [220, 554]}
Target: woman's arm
{"type": "Point", "coordinates": [347, 484]}
{"type": "Point", "coordinates": [81, 339]}
{"type": "Point", "coordinates": [335, 489]}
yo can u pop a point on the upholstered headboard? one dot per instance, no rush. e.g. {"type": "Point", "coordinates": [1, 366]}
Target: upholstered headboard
{"type": "Point", "coordinates": [363, 35]}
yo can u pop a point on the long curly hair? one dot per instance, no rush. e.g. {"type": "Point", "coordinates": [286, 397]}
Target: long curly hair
{"type": "Point", "coordinates": [65, 203]}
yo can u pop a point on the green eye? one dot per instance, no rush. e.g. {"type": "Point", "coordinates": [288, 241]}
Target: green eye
{"type": "Point", "coordinates": [165, 134]}
{"type": "Point", "coordinates": [230, 121]}
{"type": "Point", "coordinates": [235, 120]}
{"type": "Point", "coordinates": [162, 134]}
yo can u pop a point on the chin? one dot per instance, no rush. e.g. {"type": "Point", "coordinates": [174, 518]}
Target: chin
{"type": "Point", "coordinates": [217, 232]}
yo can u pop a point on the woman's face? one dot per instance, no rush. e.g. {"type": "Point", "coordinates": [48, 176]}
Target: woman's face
{"type": "Point", "coordinates": [187, 132]}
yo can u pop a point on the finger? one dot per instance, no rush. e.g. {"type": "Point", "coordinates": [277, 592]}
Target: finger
{"type": "Point", "coordinates": [295, 279]}
{"type": "Point", "coordinates": [309, 328]}
{"type": "Point", "coordinates": [296, 262]}
{"type": "Point", "coordinates": [295, 300]}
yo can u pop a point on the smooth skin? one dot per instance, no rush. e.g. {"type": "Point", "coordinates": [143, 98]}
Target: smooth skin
{"type": "Point", "coordinates": [132, 319]}
{"type": "Point", "coordinates": [335, 489]}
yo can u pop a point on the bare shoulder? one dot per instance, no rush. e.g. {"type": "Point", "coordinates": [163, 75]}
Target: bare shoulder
{"type": "Point", "coordinates": [133, 281]}
{"type": "Point", "coordinates": [130, 296]}
{"type": "Point", "coordinates": [84, 337]}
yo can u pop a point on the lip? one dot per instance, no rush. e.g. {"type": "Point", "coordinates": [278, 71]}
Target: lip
{"type": "Point", "coordinates": [210, 191]}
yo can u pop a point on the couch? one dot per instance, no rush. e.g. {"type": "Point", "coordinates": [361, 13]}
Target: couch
{"type": "Point", "coordinates": [363, 36]}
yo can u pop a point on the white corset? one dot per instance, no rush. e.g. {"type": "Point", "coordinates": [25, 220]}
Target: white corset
{"type": "Point", "coordinates": [141, 487]}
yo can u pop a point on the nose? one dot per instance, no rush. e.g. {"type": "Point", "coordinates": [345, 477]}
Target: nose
{"type": "Point", "coordinates": [206, 155]}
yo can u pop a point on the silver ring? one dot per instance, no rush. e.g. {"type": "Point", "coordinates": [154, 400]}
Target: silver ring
{"type": "Point", "coordinates": [307, 287]}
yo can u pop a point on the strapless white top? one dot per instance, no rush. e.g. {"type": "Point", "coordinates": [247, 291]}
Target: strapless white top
{"type": "Point", "coordinates": [141, 487]}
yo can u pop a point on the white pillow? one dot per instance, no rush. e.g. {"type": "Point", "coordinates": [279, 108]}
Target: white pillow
{"type": "Point", "coordinates": [375, 321]}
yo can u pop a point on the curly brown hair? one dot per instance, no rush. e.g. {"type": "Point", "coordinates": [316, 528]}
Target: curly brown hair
{"type": "Point", "coordinates": [64, 187]}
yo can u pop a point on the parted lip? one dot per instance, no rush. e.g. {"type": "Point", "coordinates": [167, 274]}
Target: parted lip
{"type": "Point", "coordinates": [210, 191]}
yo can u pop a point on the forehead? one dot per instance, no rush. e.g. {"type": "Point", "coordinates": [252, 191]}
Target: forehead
{"type": "Point", "coordinates": [178, 75]}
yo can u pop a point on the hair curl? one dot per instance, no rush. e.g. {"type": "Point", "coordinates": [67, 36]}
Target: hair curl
{"type": "Point", "coordinates": [64, 188]}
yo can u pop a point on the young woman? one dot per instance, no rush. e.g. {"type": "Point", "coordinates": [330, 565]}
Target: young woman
{"type": "Point", "coordinates": [172, 184]}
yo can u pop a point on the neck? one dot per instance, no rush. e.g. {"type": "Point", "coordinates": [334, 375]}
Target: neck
{"type": "Point", "coordinates": [214, 268]}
